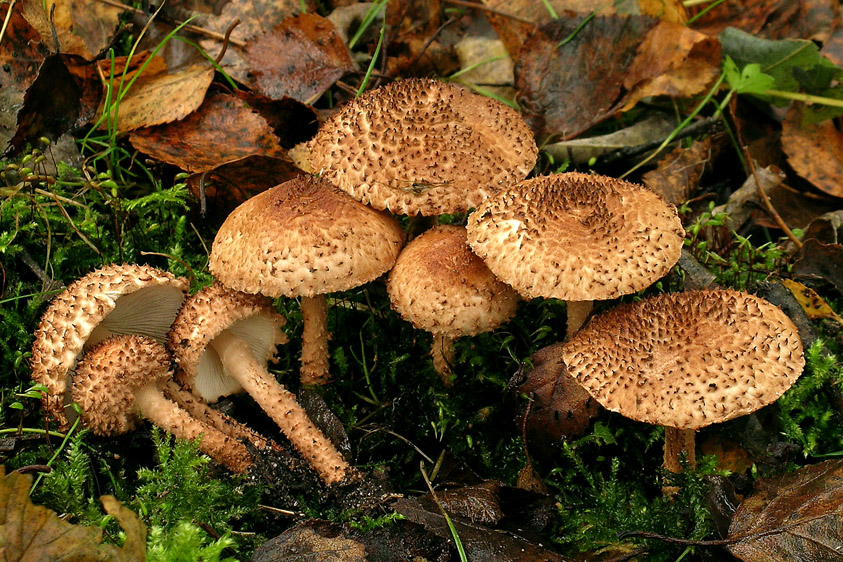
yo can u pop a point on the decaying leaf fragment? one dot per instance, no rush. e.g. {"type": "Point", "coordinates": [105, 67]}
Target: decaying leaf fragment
{"type": "Point", "coordinates": [311, 540]}
{"type": "Point", "coordinates": [814, 151]}
{"type": "Point", "coordinates": [794, 516]}
{"type": "Point", "coordinates": [678, 173]}
{"type": "Point", "coordinates": [32, 532]}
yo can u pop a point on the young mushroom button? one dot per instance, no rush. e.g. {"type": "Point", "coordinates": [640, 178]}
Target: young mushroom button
{"type": "Point", "coordinates": [420, 146]}
{"type": "Point", "coordinates": [687, 360]}
{"type": "Point", "coordinates": [120, 381]}
{"type": "Point", "coordinates": [576, 237]}
{"type": "Point", "coordinates": [440, 286]}
{"type": "Point", "coordinates": [305, 238]}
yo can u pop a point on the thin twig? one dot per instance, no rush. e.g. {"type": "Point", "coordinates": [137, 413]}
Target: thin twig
{"type": "Point", "coordinates": [192, 28]}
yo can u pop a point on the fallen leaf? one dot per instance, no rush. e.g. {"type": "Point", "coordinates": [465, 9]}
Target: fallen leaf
{"type": "Point", "coordinates": [678, 173]}
{"type": "Point", "coordinates": [773, 19]}
{"type": "Point", "coordinates": [583, 149]}
{"type": "Point", "coordinates": [745, 201]}
{"type": "Point", "coordinates": [158, 97]}
{"type": "Point", "coordinates": [299, 58]}
{"type": "Point", "coordinates": [226, 186]}
{"type": "Point", "coordinates": [560, 408]}
{"type": "Point", "coordinates": [32, 532]}
{"type": "Point", "coordinates": [816, 260]}
{"type": "Point", "coordinates": [480, 503]}
{"type": "Point", "coordinates": [826, 228]}
{"type": "Point", "coordinates": [223, 129]}
{"type": "Point", "coordinates": [481, 543]}
{"type": "Point", "coordinates": [813, 304]}
{"type": "Point", "coordinates": [83, 27]}
{"type": "Point", "coordinates": [730, 455]}
{"type": "Point", "coordinates": [484, 62]}
{"type": "Point", "coordinates": [292, 121]}
{"type": "Point", "coordinates": [814, 151]}
{"type": "Point", "coordinates": [794, 516]}
{"type": "Point", "coordinates": [311, 540]}
{"type": "Point", "coordinates": [672, 61]}
{"type": "Point", "coordinates": [570, 87]}
{"type": "Point", "coordinates": [255, 17]}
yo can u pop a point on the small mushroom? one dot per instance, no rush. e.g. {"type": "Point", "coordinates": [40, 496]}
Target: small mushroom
{"type": "Point", "coordinates": [305, 238]}
{"type": "Point", "coordinates": [440, 286]}
{"type": "Point", "coordinates": [116, 299]}
{"type": "Point", "coordinates": [222, 340]}
{"type": "Point", "coordinates": [120, 380]}
{"type": "Point", "coordinates": [576, 237]}
{"type": "Point", "coordinates": [421, 146]}
{"type": "Point", "coordinates": [687, 360]}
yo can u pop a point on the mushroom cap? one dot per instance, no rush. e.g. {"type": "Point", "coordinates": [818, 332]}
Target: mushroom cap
{"type": "Point", "coordinates": [108, 375]}
{"type": "Point", "coordinates": [421, 146]}
{"type": "Point", "coordinates": [687, 360]}
{"type": "Point", "coordinates": [202, 318]}
{"type": "Point", "coordinates": [116, 299]}
{"type": "Point", "coordinates": [576, 237]}
{"type": "Point", "coordinates": [441, 286]}
{"type": "Point", "coordinates": [304, 238]}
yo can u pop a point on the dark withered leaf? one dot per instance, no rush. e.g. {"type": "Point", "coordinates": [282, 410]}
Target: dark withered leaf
{"type": "Point", "coordinates": [792, 517]}
{"type": "Point", "coordinates": [311, 540]}
{"type": "Point", "coordinates": [816, 260]}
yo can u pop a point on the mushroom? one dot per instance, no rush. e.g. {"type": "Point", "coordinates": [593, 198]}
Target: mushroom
{"type": "Point", "coordinates": [440, 286]}
{"type": "Point", "coordinates": [576, 237]}
{"type": "Point", "coordinates": [222, 340]}
{"type": "Point", "coordinates": [687, 360]}
{"type": "Point", "coordinates": [116, 299]}
{"type": "Point", "coordinates": [305, 238]}
{"type": "Point", "coordinates": [421, 146]}
{"type": "Point", "coordinates": [119, 381]}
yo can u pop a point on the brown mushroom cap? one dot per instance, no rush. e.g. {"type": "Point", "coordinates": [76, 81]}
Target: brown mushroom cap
{"type": "Point", "coordinates": [303, 238]}
{"type": "Point", "coordinates": [576, 237]}
{"type": "Point", "coordinates": [420, 146]}
{"type": "Point", "coordinates": [441, 286]}
{"type": "Point", "coordinates": [108, 376]}
{"type": "Point", "coordinates": [687, 360]}
{"type": "Point", "coordinates": [202, 318]}
{"type": "Point", "coordinates": [116, 299]}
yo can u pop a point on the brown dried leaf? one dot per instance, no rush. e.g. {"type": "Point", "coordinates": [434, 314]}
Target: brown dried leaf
{"type": "Point", "coordinates": [560, 407]}
{"type": "Point", "coordinates": [816, 260]}
{"type": "Point", "coordinates": [794, 516]}
{"type": "Point", "coordinates": [158, 97]}
{"type": "Point", "coordinates": [31, 532]}
{"type": "Point", "coordinates": [311, 540]}
{"type": "Point", "coordinates": [567, 89]}
{"type": "Point", "coordinates": [672, 61]}
{"type": "Point", "coordinates": [480, 503]}
{"type": "Point", "coordinates": [771, 19]}
{"type": "Point", "coordinates": [814, 151]}
{"type": "Point", "coordinates": [228, 185]}
{"type": "Point", "coordinates": [300, 58]}
{"type": "Point", "coordinates": [223, 129]}
{"type": "Point", "coordinates": [813, 304]}
{"type": "Point", "coordinates": [84, 27]}
{"type": "Point", "coordinates": [826, 228]}
{"type": "Point", "coordinates": [678, 173]}
{"type": "Point", "coordinates": [730, 455]}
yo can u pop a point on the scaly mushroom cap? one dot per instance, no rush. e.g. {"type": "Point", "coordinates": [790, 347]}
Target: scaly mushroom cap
{"type": "Point", "coordinates": [441, 286]}
{"type": "Point", "coordinates": [304, 238]}
{"type": "Point", "coordinates": [687, 360]}
{"type": "Point", "coordinates": [202, 318]}
{"type": "Point", "coordinates": [108, 376]}
{"type": "Point", "coordinates": [420, 146]}
{"type": "Point", "coordinates": [116, 299]}
{"type": "Point", "coordinates": [576, 237]}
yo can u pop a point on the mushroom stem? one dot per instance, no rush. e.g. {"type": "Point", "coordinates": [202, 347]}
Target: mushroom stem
{"type": "Point", "coordinates": [314, 340]}
{"type": "Point", "coordinates": [167, 415]}
{"type": "Point", "coordinates": [676, 441]}
{"type": "Point", "coordinates": [577, 312]}
{"type": "Point", "coordinates": [200, 410]}
{"type": "Point", "coordinates": [442, 351]}
{"type": "Point", "coordinates": [280, 404]}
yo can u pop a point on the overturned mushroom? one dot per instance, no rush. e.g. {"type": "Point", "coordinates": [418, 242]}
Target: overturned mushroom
{"type": "Point", "coordinates": [440, 286]}
{"type": "Point", "coordinates": [222, 341]}
{"type": "Point", "coordinates": [305, 238]}
{"type": "Point", "coordinates": [421, 146]}
{"type": "Point", "coordinates": [687, 360]}
{"type": "Point", "coordinates": [113, 300]}
{"type": "Point", "coordinates": [576, 237]}
{"type": "Point", "coordinates": [120, 380]}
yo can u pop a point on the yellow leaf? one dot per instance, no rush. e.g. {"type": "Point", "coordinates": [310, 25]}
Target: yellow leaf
{"type": "Point", "coordinates": [813, 304]}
